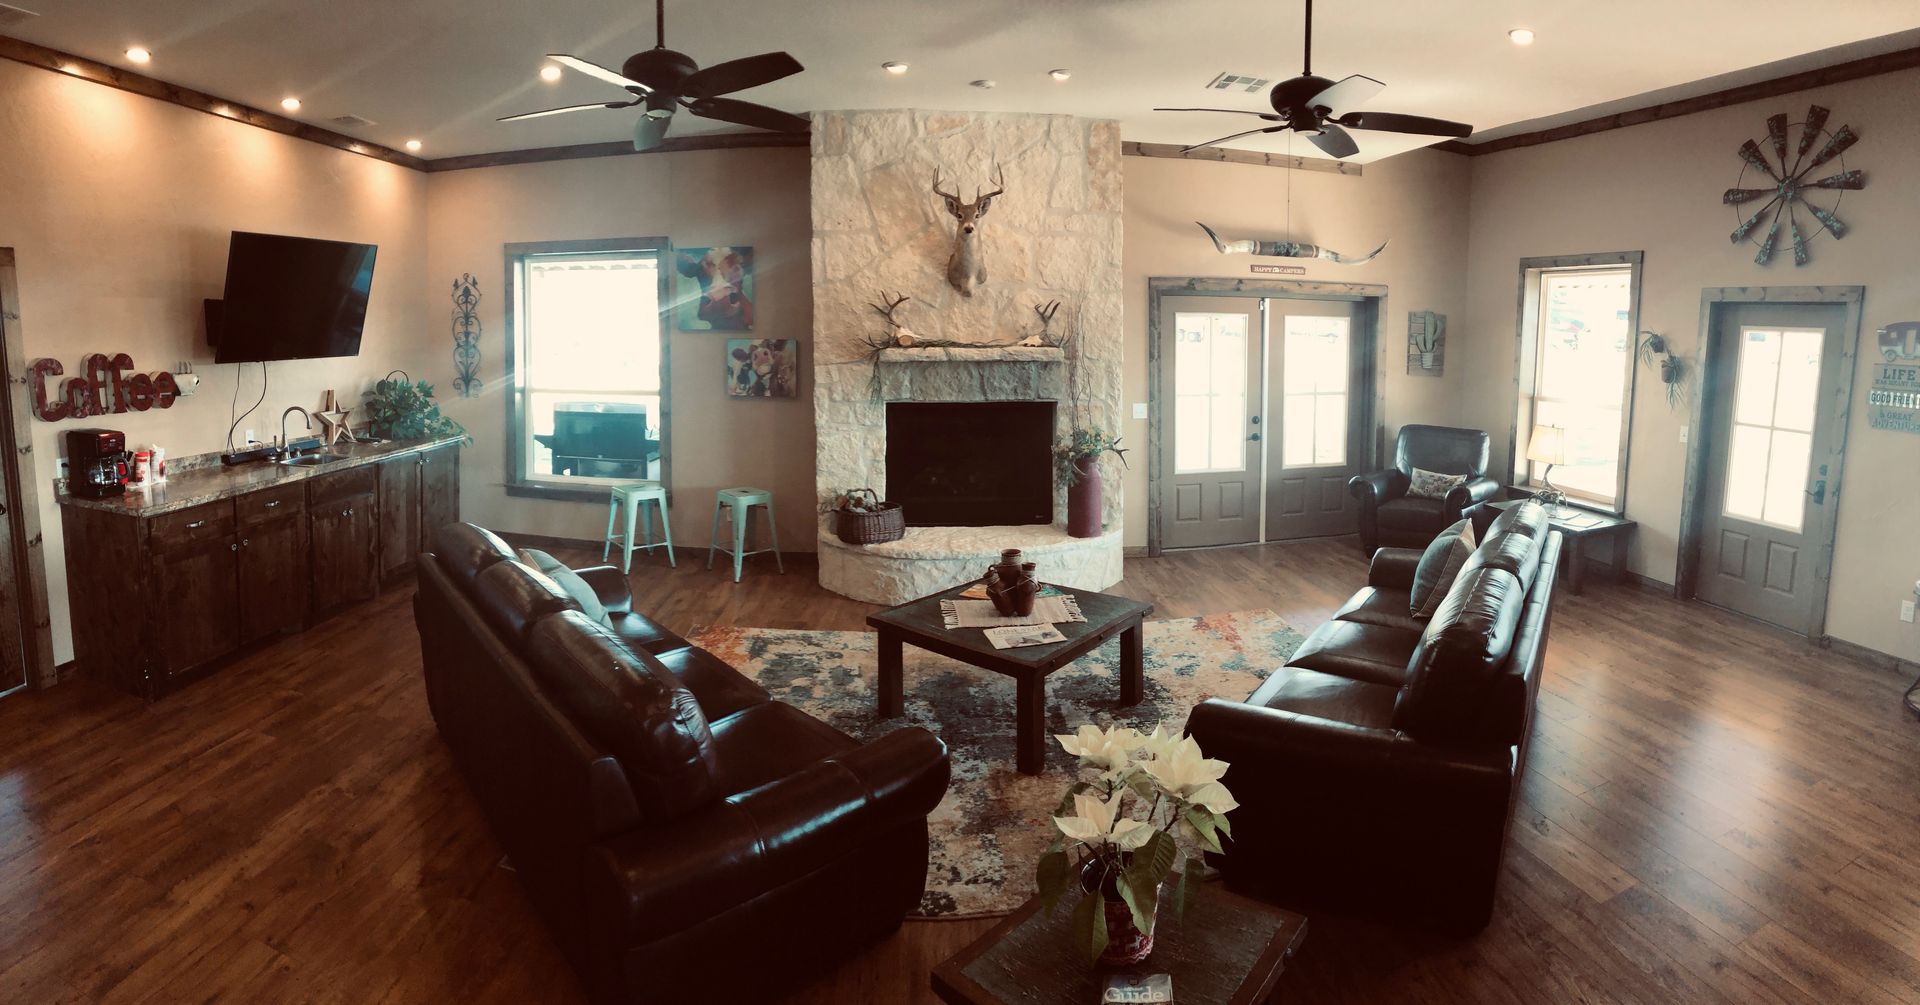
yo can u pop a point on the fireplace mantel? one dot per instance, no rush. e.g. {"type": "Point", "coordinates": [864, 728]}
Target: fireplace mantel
{"type": "Point", "coordinates": [975, 354]}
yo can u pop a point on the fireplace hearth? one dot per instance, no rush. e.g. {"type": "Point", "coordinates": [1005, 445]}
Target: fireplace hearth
{"type": "Point", "coordinates": [971, 463]}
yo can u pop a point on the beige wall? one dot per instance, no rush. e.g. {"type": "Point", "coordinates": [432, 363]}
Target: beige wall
{"type": "Point", "coordinates": [1418, 200]}
{"type": "Point", "coordinates": [120, 209]}
{"type": "Point", "coordinates": [1656, 188]}
{"type": "Point", "coordinates": [751, 197]}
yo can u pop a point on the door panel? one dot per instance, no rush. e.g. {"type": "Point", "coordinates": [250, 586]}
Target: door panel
{"type": "Point", "coordinates": [1770, 412]}
{"type": "Point", "coordinates": [197, 598]}
{"type": "Point", "coordinates": [1316, 362]}
{"type": "Point", "coordinates": [1211, 442]}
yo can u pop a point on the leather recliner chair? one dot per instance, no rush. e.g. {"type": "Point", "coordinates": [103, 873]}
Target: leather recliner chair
{"type": "Point", "coordinates": [1390, 518]}
{"type": "Point", "coordinates": [683, 836]}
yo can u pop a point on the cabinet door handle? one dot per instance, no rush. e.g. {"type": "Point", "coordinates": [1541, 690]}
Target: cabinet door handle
{"type": "Point", "coordinates": [245, 541]}
{"type": "Point", "coordinates": [233, 547]}
{"type": "Point", "coordinates": [272, 504]}
{"type": "Point", "coordinates": [196, 525]}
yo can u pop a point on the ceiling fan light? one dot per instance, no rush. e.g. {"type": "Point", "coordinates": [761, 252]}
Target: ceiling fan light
{"type": "Point", "coordinates": [1521, 36]}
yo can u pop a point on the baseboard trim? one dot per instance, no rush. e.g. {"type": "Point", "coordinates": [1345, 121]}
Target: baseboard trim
{"type": "Point", "coordinates": [1134, 551]}
{"type": "Point", "coordinates": [1869, 656]}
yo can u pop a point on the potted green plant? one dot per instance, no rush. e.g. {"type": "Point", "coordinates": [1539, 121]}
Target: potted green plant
{"type": "Point", "coordinates": [1077, 459]}
{"type": "Point", "coordinates": [1120, 828]}
{"type": "Point", "coordinates": [399, 409]}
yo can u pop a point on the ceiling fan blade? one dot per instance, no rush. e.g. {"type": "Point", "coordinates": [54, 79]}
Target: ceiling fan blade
{"type": "Point", "coordinates": [1352, 92]}
{"type": "Point", "coordinates": [1269, 116]}
{"type": "Point", "coordinates": [1334, 141]}
{"type": "Point", "coordinates": [598, 72]}
{"type": "Point", "coordinates": [652, 129]}
{"type": "Point", "coordinates": [740, 74]}
{"type": "Point", "coordinates": [1393, 122]}
{"type": "Point", "coordinates": [747, 113]}
{"type": "Point", "coordinates": [568, 108]}
{"type": "Point", "coordinates": [1235, 136]}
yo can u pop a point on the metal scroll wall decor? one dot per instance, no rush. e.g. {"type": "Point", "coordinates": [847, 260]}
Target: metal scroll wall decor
{"type": "Point", "coordinates": [1782, 181]}
{"type": "Point", "coordinates": [1894, 400]}
{"type": "Point", "coordinates": [1426, 343]}
{"type": "Point", "coordinates": [466, 335]}
{"type": "Point", "coordinates": [1287, 249]}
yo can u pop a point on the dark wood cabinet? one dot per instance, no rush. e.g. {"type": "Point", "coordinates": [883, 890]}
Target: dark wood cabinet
{"type": "Point", "coordinates": [158, 597]}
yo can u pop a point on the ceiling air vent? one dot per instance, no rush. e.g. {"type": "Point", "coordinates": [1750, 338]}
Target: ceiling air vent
{"type": "Point", "coordinates": [10, 16]}
{"type": "Point", "coordinates": [351, 121]}
{"type": "Point", "coordinates": [1239, 82]}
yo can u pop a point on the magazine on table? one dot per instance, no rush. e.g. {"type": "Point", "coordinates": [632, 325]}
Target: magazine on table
{"type": "Point", "coordinates": [1021, 636]}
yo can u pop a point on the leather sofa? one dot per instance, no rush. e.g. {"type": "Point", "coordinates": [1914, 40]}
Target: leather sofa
{"type": "Point", "coordinates": [683, 836]}
{"type": "Point", "coordinates": [1389, 517]}
{"type": "Point", "coordinates": [1377, 772]}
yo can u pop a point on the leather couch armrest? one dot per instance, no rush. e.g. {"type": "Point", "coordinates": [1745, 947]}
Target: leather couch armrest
{"type": "Point", "coordinates": [1472, 492]}
{"type": "Point", "coordinates": [1273, 743]}
{"type": "Point", "coordinates": [657, 880]}
{"type": "Point", "coordinates": [1376, 487]}
{"type": "Point", "coordinates": [610, 585]}
{"type": "Point", "coordinates": [1393, 568]}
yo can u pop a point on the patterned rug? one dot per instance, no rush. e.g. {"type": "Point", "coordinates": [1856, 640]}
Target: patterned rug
{"type": "Point", "coordinates": [993, 824]}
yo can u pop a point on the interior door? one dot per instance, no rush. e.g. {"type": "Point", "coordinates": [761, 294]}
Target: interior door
{"type": "Point", "coordinates": [1772, 410]}
{"type": "Point", "coordinates": [1314, 370]}
{"type": "Point", "coordinates": [1211, 443]}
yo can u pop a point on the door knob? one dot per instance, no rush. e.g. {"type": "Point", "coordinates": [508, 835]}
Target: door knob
{"type": "Point", "coordinates": [1255, 438]}
{"type": "Point", "coordinates": [1819, 492]}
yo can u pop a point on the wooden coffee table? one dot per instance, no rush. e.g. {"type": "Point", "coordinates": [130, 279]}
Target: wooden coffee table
{"type": "Point", "coordinates": [919, 622]}
{"type": "Point", "coordinates": [1227, 950]}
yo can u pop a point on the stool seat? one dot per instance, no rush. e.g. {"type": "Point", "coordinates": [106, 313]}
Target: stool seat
{"type": "Point", "coordinates": [738, 504]}
{"type": "Point", "coordinates": [633, 497]}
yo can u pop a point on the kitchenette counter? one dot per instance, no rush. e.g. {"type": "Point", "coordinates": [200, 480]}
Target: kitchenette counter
{"type": "Point", "coordinates": [203, 479]}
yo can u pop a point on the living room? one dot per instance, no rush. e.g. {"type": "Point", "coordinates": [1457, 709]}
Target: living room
{"type": "Point", "coordinates": [1449, 455]}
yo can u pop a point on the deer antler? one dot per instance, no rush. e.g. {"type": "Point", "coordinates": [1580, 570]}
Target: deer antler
{"type": "Point", "coordinates": [953, 195]}
{"type": "Point", "coordinates": [999, 186]}
{"type": "Point", "coordinates": [893, 304]}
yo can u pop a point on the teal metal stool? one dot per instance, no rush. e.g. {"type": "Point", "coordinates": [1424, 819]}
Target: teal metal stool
{"type": "Point", "coordinates": [633, 497]}
{"type": "Point", "coordinates": [738, 504]}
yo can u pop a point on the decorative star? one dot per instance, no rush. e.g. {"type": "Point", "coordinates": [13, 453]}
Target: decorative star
{"type": "Point", "coordinates": [334, 425]}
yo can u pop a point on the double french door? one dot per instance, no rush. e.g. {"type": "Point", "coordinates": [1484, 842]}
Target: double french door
{"type": "Point", "coordinates": [1263, 420]}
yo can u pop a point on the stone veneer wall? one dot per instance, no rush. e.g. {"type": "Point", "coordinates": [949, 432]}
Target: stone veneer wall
{"type": "Point", "coordinates": [1054, 234]}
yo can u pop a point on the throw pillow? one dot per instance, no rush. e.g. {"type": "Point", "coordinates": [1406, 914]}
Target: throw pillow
{"type": "Point", "coordinates": [579, 589]}
{"type": "Point", "coordinates": [1435, 574]}
{"type": "Point", "coordinates": [1426, 484]}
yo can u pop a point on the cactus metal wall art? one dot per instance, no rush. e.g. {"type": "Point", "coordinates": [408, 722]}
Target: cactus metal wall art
{"type": "Point", "coordinates": [466, 335]}
{"type": "Point", "coordinates": [1786, 189]}
{"type": "Point", "coordinates": [1426, 343]}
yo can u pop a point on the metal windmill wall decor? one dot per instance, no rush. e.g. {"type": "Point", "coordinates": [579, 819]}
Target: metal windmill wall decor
{"type": "Point", "coordinates": [1788, 192]}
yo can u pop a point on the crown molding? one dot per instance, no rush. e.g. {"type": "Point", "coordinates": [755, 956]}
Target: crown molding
{"type": "Point", "coordinates": [1175, 151]}
{"type": "Point", "coordinates": [758, 139]}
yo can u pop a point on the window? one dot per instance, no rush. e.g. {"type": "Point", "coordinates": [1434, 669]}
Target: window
{"type": "Point", "coordinates": [1776, 385]}
{"type": "Point", "coordinates": [587, 369]}
{"type": "Point", "coordinates": [1313, 417]}
{"type": "Point", "coordinates": [1210, 393]}
{"type": "Point", "coordinates": [1577, 343]}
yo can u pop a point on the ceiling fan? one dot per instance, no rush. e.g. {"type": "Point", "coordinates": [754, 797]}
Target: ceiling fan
{"type": "Point", "coordinates": [1317, 106]}
{"type": "Point", "coordinates": [665, 81]}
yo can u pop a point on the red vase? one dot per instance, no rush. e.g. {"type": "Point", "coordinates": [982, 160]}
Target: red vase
{"type": "Point", "coordinates": [1126, 943]}
{"type": "Point", "coordinates": [1083, 499]}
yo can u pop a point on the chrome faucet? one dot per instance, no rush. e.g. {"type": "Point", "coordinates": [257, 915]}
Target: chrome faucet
{"type": "Point", "coordinates": [304, 415]}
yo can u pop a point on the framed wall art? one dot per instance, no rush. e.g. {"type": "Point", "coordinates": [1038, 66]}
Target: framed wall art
{"type": "Point", "coordinates": [714, 290]}
{"type": "Point", "coordinates": [763, 368]}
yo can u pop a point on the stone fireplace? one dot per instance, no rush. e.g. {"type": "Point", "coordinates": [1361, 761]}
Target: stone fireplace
{"type": "Point", "coordinates": [962, 435]}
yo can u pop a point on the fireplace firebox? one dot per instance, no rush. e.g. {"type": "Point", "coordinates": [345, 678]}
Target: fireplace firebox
{"type": "Point", "coordinates": [971, 464]}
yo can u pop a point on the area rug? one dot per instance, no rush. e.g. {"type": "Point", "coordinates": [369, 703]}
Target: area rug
{"type": "Point", "coordinates": [992, 827]}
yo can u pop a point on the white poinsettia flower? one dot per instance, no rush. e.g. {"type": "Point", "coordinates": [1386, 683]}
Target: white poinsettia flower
{"type": "Point", "coordinates": [1129, 835]}
{"type": "Point", "coordinates": [1159, 743]}
{"type": "Point", "coordinates": [1182, 771]}
{"type": "Point", "coordinates": [1109, 749]}
{"type": "Point", "coordinates": [1213, 796]}
{"type": "Point", "coordinates": [1093, 822]}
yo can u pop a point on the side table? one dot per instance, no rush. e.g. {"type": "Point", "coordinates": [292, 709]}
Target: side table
{"type": "Point", "coordinates": [1580, 527]}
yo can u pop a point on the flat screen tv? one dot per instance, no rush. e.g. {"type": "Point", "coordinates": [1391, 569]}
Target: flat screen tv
{"type": "Point", "coordinates": [291, 298]}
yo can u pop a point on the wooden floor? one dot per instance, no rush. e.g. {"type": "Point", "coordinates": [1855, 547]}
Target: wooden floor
{"type": "Point", "coordinates": [1716, 812]}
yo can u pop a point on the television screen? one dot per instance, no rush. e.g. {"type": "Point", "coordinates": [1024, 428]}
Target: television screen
{"type": "Point", "coordinates": [292, 298]}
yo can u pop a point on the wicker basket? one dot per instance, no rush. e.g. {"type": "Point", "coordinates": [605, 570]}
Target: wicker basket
{"type": "Point", "coordinates": [885, 522]}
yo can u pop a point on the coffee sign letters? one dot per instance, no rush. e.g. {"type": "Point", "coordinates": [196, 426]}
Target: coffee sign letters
{"type": "Point", "coordinates": [105, 385]}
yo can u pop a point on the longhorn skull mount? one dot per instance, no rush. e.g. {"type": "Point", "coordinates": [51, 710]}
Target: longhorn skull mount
{"type": "Point", "coordinates": [1288, 249]}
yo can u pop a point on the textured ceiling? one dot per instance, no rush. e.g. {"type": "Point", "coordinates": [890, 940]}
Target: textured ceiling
{"type": "Point", "coordinates": [442, 70]}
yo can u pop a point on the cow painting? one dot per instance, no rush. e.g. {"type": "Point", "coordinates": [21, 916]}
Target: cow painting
{"type": "Point", "coordinates": [716, 289]}
{"type": "Point", "coordinates": [763, 368]}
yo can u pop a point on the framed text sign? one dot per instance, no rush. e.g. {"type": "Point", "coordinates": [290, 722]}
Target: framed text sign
{"type": "Point", "coordinates": [1893, 400]}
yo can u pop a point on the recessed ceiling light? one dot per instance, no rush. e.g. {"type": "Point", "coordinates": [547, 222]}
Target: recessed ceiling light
{"type": "Point", "coordinates": [290, 104]}
{"type": "Point", "coordinates": [1521, 36]}
{"type": "Point", "coordinates": [549, 73]}
{"type": "Point", "coordinates": [1060, 74]}
{"type": "Point", "coordinates": [413, 146]}
{"type": "Point", "coordinates": [139, 55]}
{"type": "Point", "coordinates": [894, 67]}
{"type": "Point", "coordinates": [986, 85]}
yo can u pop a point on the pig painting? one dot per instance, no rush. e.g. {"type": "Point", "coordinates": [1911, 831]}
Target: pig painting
{"type": "Point", "coordinates": [716, 289]}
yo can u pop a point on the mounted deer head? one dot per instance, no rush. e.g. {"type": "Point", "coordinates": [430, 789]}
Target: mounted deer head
{"type": "Point", "coordinates": [965, 268]}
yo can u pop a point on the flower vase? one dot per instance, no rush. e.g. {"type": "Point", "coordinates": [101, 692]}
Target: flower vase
{"type": "Point", "coordinates": [1126, 943]}
{"type": "Point", "coordinates": [1083, 498]}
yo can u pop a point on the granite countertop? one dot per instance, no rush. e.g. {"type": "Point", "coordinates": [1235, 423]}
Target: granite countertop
{"type": "Point", "coordinates": [190, 483]}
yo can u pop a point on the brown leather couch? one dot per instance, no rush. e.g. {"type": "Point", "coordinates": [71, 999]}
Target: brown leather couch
{"type": "Point", "coordinates": [1390, 517]}
{"type": "Point", "coordinates": [684, 837]}
{"type": "Point", "coordinates": [1377, 773]}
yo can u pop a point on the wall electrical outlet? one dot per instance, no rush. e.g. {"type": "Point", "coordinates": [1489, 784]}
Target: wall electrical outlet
{"type": "Point", "coordinates": [1139, 409]}
{"type": "Point", "coordinates": [1906, 611]}
{"type": "Point", "coordinates": [1683, 434]}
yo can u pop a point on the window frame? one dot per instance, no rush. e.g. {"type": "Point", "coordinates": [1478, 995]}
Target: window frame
{"type": "Point", "coordinates": [1527, 365]}
{"type": "Point", "coordinates": [519, 482]}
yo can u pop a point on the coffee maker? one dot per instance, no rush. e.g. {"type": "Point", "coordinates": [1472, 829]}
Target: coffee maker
{"type": "Point", "coordinates": [96, 462]}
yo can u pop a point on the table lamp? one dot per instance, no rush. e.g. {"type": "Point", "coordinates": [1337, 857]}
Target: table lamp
{"type": "Point", "coordinates": [1548, 445]}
